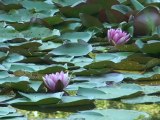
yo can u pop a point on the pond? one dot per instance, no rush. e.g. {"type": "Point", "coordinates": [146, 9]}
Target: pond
{"type": "Point", "coordinates": [152, 109]}
{"type": "Point", "coordinates": [79, 59]}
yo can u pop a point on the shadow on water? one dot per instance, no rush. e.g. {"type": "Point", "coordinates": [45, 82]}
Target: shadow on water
{"type": "Point", "coordinates": [51, 109]}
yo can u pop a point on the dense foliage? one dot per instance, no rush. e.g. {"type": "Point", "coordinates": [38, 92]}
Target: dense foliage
{"type": "Point", "coordinates": [39, 37]}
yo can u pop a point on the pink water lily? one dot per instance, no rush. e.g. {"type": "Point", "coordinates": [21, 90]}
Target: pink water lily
{"type": "Point", "coordinates": [56, 82]}
{"type": "Point", "coordinates": [117, 36]}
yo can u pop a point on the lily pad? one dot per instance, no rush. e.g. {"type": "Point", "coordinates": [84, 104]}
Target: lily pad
{"type": "Point", "coordinates": [110, 114]}
{"type": "Point", "coordinates": [73, 49]}
{"type": "Point", "coordinates": [142, 99]}
{"type": "Point", "coordinates": [37, 99]}
{"type": "Point", "coordinates": [75, 36]}
{"type": "Point", "coordinates": [109, 92]}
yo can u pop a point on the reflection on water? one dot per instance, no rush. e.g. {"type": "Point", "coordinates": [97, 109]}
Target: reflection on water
{"type": "Point", "coordinates": [152, 109]}
{"type": "Point", "coordinates": [35, 115]}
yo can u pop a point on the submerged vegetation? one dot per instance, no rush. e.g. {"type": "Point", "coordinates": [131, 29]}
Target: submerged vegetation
{"type": "Point", "coordinates": [79, 59]}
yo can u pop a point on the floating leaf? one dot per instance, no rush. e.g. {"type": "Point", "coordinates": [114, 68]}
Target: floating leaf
{"type": "Point", "coordinates": [39, 6]}
{"type": "Point", "coordinates": [9, 33]}
{"type": "Point", "coordinates": [16, 16]}
{"type": "Point", "coordinates": [4, 74]}
{"type": "Point", "coordinates": [110, 114]}
{"type": "Point", "coordinates": [3, 56]}
{"type": "Point", "coordinates": [15, 57]}
{"type": "Point", "coordinates": [8, 113]}
{"type": "Point", "coordinates": [75, 36]}
{"type": "Point", "coordinates": [110, 77]}
{"type": "Point", "coordinates": [51, 69]}
{"type": "Point", "coordinates": [143, 24]}
{"type": "Point", "coordinates": [14, 79]}
{"type": "Point", "coordinates": [137, 5]}
{"type": "Point", "coordinates": [49, 45]}
{"type": "Point", "coordinates": [62, 59]}
{"type": "Point", "coordinates": [108, 92]}
{"type": "Point", "coordinates": [89, 72]}
{"type": "Point", "coordinates": [67, 2]}
{"type": "Point", "coordinates": [5, 97]}
{"type": "Point", "coordinates": [89, 21]}
{"type": "Point", "coordinates": [37, 99]}
{"type": "Point", "coordinates": [40, 33]}
{"type": "Point", "coordinates": [151, 89]}
{"type": "Point", "coordinates": [114, 57]}
{"type": "Point", "coordinates": [122, 8]}
{"type": "Point", "coordinates": [73, 49]}
{"type": "Point", "coordinates": [84, 8]}
{"type": "Point", "coordinates": [90, 84]}
{"type": "Point", "coordinates": [151, 48]}
{"type": "Point", "coordinates": [82, 61]}
{"type": "Point", "coordinates": [67, 103]}
{"type": "Point", "coordinates": [35, 85]}
{"type": "Point", "coordinates": [142, 99]}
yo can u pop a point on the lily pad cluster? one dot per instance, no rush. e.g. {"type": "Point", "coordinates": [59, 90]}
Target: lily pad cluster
{"type": "Point", "coordinates": [44, 37]}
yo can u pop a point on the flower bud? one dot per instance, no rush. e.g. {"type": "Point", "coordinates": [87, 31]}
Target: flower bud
{"type": "Point", "coordinates": [117, 36]}
{"type": "Point", "coordinates": [56, 82]}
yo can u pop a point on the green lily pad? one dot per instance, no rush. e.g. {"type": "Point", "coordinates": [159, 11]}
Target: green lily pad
{"type": "Point", "coordinates": [73, 49]}
{"type": "Point", "coordinates": [75, 36]}
{"type": "Point", "coordinates": [40, 32]}
{"type": "Point", "coordinates": [37, 99]}
{"type": "Point", "coordinates": [15, 58]}
{"type": "Point", "coordinates": [110, 114]}
{"type": "Point", "coordinates": [142, 99]}
{"type": "Point", "coordinates": [122, 8]}
{"type": "Point", "coordinates": [5, 97]}
{"type": "Point", "coordinates": [3, 56]}
{"type": "Point", "coordinates": [39, 6]}
{"type": "Point", "coordinates": [14, 79]}
{"type": "Point", "coordinates": [114, 57]}
{"type": "Point", "coordinates": [84, 8]}
{"type": "Point", "coordinates": [51, 69]}
{"type": "Point", "coordinates": [6, 110]}
{"type": "Point", "coordinates": [151, 89]}
{"type": "Point", "coordinates": [67, 103]}
{"type": "Point", "coordinates": [89, 72]}
{"type": "Point", "coordinates": [110, 77]}
{"type": "Point", "coordinates": [109, 92]}
{"type": "Point", "coordinates": [49, 45]}
{"type": "Point", "coordinates": [9, 113]}
{"type": "Point", "coordinates": [90, 21]}
{"type": "Point", "coordinates": [62, 59]}
{"type": "Point", "coordinates": [75, 86]}
{"type": "Point", "coordinates": [4, 74]}
{"type": "Point", "coordinates": [82, 61]}
{"type": "Point", "coordinates": [9, 33]}
{"type": "Point", "coordinates": [35, 85]}
{"type": "Point", "coordinates": [67, 2]}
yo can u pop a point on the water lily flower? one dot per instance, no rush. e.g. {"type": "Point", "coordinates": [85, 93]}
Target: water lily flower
{"type": "Point", "coordinates": [56, 82]}
{"type": "Point", "coordinates": [117, 36]}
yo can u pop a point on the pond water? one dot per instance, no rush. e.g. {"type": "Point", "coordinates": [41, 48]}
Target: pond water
{"type": "Point", "coordinates": [152, 109]}
{"type": "Point", "coordinates": [79, 59]}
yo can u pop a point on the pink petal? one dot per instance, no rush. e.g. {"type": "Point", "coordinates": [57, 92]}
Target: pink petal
{"type": "Point", "coordinates": [54, 78]}
{"type": "Point", "coordinates": [66, 80]}
{"type": "Point", "coordinates": [109, 36]}
{"type": "Point", "coordinates": [115, 38]}
{"type": "Point", "coordinates": [49, 83]}
{"type": "Point", "coordinates": [51, 80]}
{"type": "Point", "coordinates": [121, 40]}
